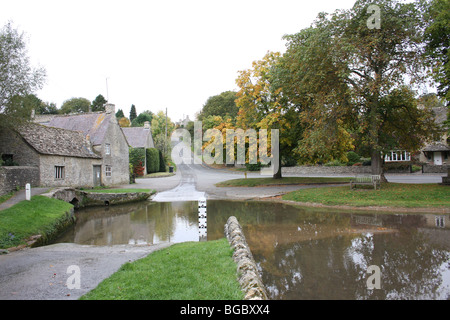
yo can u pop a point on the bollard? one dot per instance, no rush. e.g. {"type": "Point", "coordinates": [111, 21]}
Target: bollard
{"type": "Point", "coordinates": [28, 192]}
{"type": "Point", "coordinates": [202, 226]}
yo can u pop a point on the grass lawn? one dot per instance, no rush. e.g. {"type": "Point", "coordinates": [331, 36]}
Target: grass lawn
{"type": "Point", "coordinates": [184, 271]}
{"type": "Point", "coordinates": [120, 190]}
{"type": "Point", "coordinates": [40, 215]}
{"type": "Point", "coordinates": [6, 197]}
{"type": "Point", "coordinates": [390, 195]}
{"type": "Point", "coordinates": [260, 182]}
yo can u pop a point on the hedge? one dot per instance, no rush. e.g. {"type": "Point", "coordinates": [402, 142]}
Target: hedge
{"type": "Point", "coordinates": [152, 160]}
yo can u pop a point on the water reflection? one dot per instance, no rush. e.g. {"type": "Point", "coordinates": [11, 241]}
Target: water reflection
{"type": "Point", "coordinates": [301, 253]}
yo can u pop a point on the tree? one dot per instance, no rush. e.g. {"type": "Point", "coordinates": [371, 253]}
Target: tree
{"type": "Point", "coordinates": [17, 77]}
{"type": "Point", "coordinates": [75, 105]}
{"type": "Point", "coordinates": [133, 114]}
{"type": "Point", "coordinates": [158, 127]}
{"type": "Point", "coordinates": [120, 114]}
{"type": "Point", "coordinates": [263, 106]}
{"type": "Point", "coordinates": [437, 39]}
{"type": "Point", "coordinates": [124, 122]}
{"type": "Point", "coordinates": [223, 105]}
{"type": "Point", "coordinates": [142, 118]}
{"type": "Point", "coordinates": [344, 74]}
{"type": "Point", "coordinates": [99, 103]}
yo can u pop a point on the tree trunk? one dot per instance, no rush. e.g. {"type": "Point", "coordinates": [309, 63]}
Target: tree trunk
{"type": "Point", "coordinates": [377, 165]}
{"type": "Point", "coordinates": [277, 174]}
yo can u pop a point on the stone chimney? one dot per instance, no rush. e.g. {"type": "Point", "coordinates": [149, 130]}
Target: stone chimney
{"type": "Point", "coordinates": [110, 108]}
{"type": "Point", "coordinates": [147, 125]}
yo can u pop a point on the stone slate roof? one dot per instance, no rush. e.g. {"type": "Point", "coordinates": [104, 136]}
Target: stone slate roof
{"type": "Point", "coordinates": [137, 137]}
{"type": "Point", "coordinates": [436, 147]}
{"type": "Point", "coordinates": [57, 141]}
{"type": "Point", "coordinates": [93, 124]}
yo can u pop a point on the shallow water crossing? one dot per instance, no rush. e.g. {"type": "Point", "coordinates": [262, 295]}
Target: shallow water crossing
{"type": "Point", "coordinates": [301, 253]}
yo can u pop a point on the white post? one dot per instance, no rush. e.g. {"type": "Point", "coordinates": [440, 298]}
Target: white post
{"type": "Point", "coordinates": [202, 227]}
{"type": "Point", "coordinates": [28, 192]}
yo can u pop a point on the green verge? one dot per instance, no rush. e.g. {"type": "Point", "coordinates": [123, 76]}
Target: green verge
{"type": "Point", "coordinates": [184, 271]}
{"type": "Point", "coordinates": [261, 182]}
{"type": "Point", "coordinates": [390, 195]}
{"type": "Point", "coordinates": [40, 215]}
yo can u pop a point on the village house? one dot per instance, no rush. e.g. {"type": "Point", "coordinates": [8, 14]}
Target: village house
{"type": "Point", "coordinates": [437, 153]}
{"type": "Point", "coordinates": [102, 131]}
{"type": "Point", "coordinates": [62, 157]}
{"type": "Point", "coordinates": [140, 137]}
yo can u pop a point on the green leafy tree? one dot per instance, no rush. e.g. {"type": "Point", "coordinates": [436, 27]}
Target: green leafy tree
{"type": "Point", "coordinates": [222, 105]}
{"type": "Point", "coordinates": [119, 114]}
{"type": "Point", "coordinates": [17, 77]}
{"type": "Point", "coordinates": [99, 103]}
{"type": "Point", "coordinates": [142, 118]}
{"type": "Point", "coordinates": [75, 105]}
{"type": "Point", "coordinates": [437, 38]}
{"type": "Point", "coordinates": [344, 74]}
{"type": "Point", "coordinates": [133, 114]}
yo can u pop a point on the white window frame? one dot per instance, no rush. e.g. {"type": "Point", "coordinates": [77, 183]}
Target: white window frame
{"type": "Point", "coordinates": [397, 156]}
{"type": "Point", "coordinates": [108, 171]}
{"type": "Point", "coordinates": [107, 148]}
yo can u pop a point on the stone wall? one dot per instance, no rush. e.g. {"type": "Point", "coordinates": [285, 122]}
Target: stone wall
{"type": "Point", "coordinates": [353, 170]}
{"type": "Point", "coordinates": [249, 278]}
{"type": "Point", "coordinates": [12, 178]}
{"type": "Point", "coordinates": [428, 168]}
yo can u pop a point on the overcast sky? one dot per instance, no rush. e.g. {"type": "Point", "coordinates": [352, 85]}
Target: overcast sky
{"type": "Point", "coordinates": [154, 54]}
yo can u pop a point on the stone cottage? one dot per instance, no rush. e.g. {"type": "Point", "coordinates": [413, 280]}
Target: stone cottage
{"type": "Point", "coordinates": [437, 153]}
{"type": "Point", "coordinates": [140, 137]}
{"type": "Point", "coordinates": [102, 131]}
{"type": "Point", "coordinates": [62, 157]}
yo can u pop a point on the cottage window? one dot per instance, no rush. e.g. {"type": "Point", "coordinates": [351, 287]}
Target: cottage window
{"type": "Point", "coordinates": [107, 148]}
{"type": "Point", "coordinates": [59, 172]}
{"type": "Point", "coordinates": [108, 171]}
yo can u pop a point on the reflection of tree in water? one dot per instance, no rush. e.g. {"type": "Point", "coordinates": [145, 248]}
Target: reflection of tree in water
{"type": "Point", "coordinates": [165, 214]}
{"type": "Point", "coordinates": [335, 268]}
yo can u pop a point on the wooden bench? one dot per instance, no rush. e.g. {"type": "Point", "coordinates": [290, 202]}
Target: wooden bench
{"type": "Point", "coordinates": [373, 180]}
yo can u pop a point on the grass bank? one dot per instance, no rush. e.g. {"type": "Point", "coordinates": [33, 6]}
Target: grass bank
{"type": "Point", "coordinates": [184, 271]}
{"type": "Point", "coordinates": [262, 182]}
{"type": "Point", "coordinates": [39, 216]}
{"type": "Point", "coordinates": [390, 195]}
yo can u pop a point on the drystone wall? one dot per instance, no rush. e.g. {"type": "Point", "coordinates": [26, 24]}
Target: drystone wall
{"type": "Point", "coordinates": [12, 178]}
{"type": "Point", "coordinates": [327, 170]}
{"type": "Point", "coordinates": [249, 278]}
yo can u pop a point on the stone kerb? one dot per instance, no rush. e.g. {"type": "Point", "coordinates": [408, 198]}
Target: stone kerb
{"type": "Point", "coordinates": [249, 278]}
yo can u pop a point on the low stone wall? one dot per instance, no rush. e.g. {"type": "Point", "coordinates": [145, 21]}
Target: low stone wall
{"type": "Point", "coordinates": [12, 178]}
{"type": "Point", "coordinates": [352, 170]}
{"type": "Point", "coordinates": [428, 168]}
{"type": "Point", "coordinates": [102, 199]}
{"type": "Point", "coordinates": [249, 278]}
{"type": "Point", "coordinates": [81, 199]}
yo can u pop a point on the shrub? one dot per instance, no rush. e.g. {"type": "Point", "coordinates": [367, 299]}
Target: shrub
{"type": "Point", "coordinates": [353, 158]}
{"type": "Point", "coordinates": [152, 160]}
{"type": "Point", "coordinates": [162, 162]}
{"type": "Point", "coordinates": [334, 163]}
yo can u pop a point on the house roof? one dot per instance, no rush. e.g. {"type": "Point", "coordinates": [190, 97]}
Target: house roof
{"type": "Point", "coordinates": [137, 137]}
{"type": "Point", "coordinates": [57, 141]}
{"type": "Point", "coordinates": [93, 124]}
{"type": "Point", "coordinates": [436, 147]}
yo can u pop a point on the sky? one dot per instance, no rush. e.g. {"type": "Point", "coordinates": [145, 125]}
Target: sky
{"type": "Point", "coordinates": [156, 55]}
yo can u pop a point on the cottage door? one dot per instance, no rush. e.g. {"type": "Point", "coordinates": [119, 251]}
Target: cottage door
{"type": "Point", "coordinates": [97, 176]}
{"type": "Point", "coordinates": [438, 158]}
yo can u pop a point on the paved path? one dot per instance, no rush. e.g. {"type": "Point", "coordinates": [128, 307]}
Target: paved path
{"type": "Point", "coordinates": [20, 196]}
{"type": "Point", "coordinates": [41, 273]}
